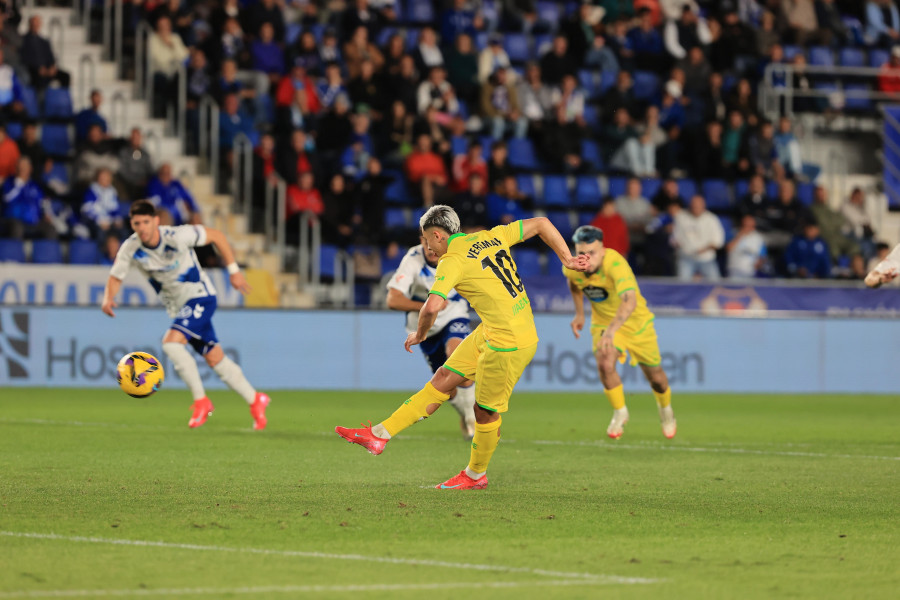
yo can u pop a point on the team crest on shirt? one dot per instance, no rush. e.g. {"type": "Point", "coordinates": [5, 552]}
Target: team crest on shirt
{"type": "Point", "coordinates": [184, 313]}
{"type": "Point", "coordinates": [596, 294]}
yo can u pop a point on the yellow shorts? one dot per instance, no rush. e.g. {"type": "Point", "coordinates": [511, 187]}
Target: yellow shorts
{"type": "Point", "coordinates": [642, 344]}
{"type": "Point", "coordinates": [494, 372]}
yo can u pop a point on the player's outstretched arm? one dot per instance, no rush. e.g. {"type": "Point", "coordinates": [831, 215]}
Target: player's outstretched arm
{"type": "Point", "coordinates": [109, 295]}
{"type": "Point", "coordinates": [541, 226]}
{"type": "Point", "coordinates": [876, 278]}
{"type": "Point", "coordinates": [427, 316]}
{"type": "Point", "coordinates": [578, 298]}
{"type": "Point", "coordinates": [397, 301]}
{"type": "Point", "coordinates": [218, 239]}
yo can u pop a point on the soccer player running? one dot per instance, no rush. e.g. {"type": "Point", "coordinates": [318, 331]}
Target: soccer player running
{"type": "Point", "coordinates": [885, 271]}
{"type": "Point", "coordinates": [620, 323]}
{"type": "Point", "coordinates": [407, 291]}
{"type": "Point", "coordinates": [478, 266]}
{"type": "Point", "coordinates": [165, 255]}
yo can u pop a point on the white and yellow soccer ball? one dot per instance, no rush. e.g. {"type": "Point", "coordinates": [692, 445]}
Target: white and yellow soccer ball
{"type": "Point", "coordinates": [140, 374]}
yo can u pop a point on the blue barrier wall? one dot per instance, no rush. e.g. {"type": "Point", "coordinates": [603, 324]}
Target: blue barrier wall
{"type": "Point", "coordinates": [58, 346]}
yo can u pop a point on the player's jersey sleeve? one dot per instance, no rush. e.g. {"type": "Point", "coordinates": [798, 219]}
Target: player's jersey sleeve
{"type": "Point", "coordinates": [622, 276]}
{"type": "Point", "coordinates": [512, 234]}
{"type": "Point", "coordinates": [448, 274]}
{"type": "Point", "coordinates": [405, 275]}
{"type": "Point", "coordinates": [124, 258]}
{"type": "Point", "coordinates": [190, 236]}
{"type": "Point", "coordinates": [891, 262]}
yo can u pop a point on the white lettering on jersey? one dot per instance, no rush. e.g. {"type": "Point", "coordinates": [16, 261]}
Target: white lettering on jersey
{"type": "Point", "coordinates": [414, 279]}
{"type": "Point", "coordinates": [172, 267]}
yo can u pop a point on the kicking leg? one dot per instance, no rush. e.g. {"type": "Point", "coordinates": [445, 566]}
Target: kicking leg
{"type": "Point", "coordinates": [663, 394]}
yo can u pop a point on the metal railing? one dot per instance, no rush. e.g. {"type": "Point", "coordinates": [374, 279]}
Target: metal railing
{"type": "Point", "coordinates": [143, 77]}
{"type": "Point", "coordinates": [310, 251]}
{"type": "Point", "coordinates": [276, 226]}
{"type": "Point", "coordinates": [209, 136]}
{"type": "Point", "coordinates": [118, 114]}
{"type": "Point", "coordinates": [891, 156]}
{"type": "Point", "coordinates": [86, 68]}
{"type": "Point", "coordinates": [242, 177]}
{"type": "Point", "coordinates": [777, 93]}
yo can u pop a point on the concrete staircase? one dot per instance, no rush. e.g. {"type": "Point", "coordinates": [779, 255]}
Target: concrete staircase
{"type": "Point", "coordinates": [127, 112]}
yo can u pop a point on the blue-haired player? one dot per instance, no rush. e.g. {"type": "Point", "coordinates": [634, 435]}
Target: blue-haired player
{"type": "Point", "coordinates": [407, 291]}
{"type": "Point", "coordinates": [165, 255]}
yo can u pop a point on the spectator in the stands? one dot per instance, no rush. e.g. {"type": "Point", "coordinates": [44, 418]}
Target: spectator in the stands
{"type": "Point", "coordinates": [647, 44]}
{"type": "Point", "coordinates": [101, 211]}
{"type": "Point", "coordinates": [673, 9]}
{"type": "Point", "coordinates": [617, 133]}
{"type": "Point", "coordinates": [743, 100]}
{"type": "Point", "coordinates": [360, 49]}
{"type": "Point", "coordinates": [11, 91]}
{"type": "Point", "coordinates": [671, 109]}
{"type": "Point", "coordinates": [462, 69]}
{"type": "Point", "coordinates": [37, 56]}
{"type": "Point", "coordinates": [332, 86]}
{"type": "Point", "coordinates": [360, 14]}
{"type": "Point", "coordinates": [393, 52]}
{"type": "Point", "coordinates": [298, 81]}
{"type": "Point", "coordinates": [437, 93]}
{"type": "Point", "coordinates": [308, 50]}
{"type": "Point", "coordinates": [303, 196]}
{"type": "Point", "coordinates": [334, 131]}
{"type": "Point", "coordinates": [698, 235]}
{"type": "Point", "coordinates": [535, 98]}
{"type": "Point", "coordinates": [233, 120]}
{"type": "Point", "coordinates": [500, 107]}
{"type": "Point", "coordinates": [427, 54]}
{"type": "Point", "coordinates": [506, 203]}
{"type": "Point", "coordinates": [736, 46]}
{"type": "Point", "coordinates": [426, 171]}
{"type": "Point", "coordinates": [746, 251]}
{"type": "Point", "coordinates": [667, 194]}
{"type": "Point", "coordinates": [492, 57]}
{"type": "Point", "coordinates": [708, 154]}
{"type": "Point", "coordinates": [785, 215]}
{"type": "Point", "coordinates": [889, 75]}
{"type": "Point", "coordinates": [696, 73]}
{"type": "Point", "coordinates": [26, 210]}
{"type": "Point", "coordinates": [9, 154]}
{"type": "Point", "coordinates": [579, 31]}
{"type": "Point", "coordinates": [787, 148]}
{"type": "Point", "coordinates": [637, 156]}
{"type": "Point", "coordinates": [29, 146]}
{"type": "Point", "coordinates": [96, 152]}
{"type": "Point", "coordinates": [807, 256]}
{"type": "Point", "coordinates": [464, 165]}
{"type": "Point", "coordinates": [354, 160]}
{"type": "Point", "coordinates": [733, 147]}
{"type": "Point", "coordinates": [615, 230]}
{"type": "Point", "coordinates": [404, 86]}
{"type": "Point", "coordinates": [755, 202]}
{"type": "Point", "coordinates": [166, 53]}
{"type": "Point", "coordinates": [366, 90]}
{"type": "Point", "coordinates": [298, 156]}
{"type": "Point", "coordinates": [621, 96]}
{"type": "Point", "coordinates": [90, 116]}
{"type": "Point", "coordinates": [135, 166]}
{"type": "Point", "coordinates": [801, 24]}
{"type": "Point", "coordinates": [557, 63]}
{"type": "Point", "coordinates": [882, 23]}
{"type": "Point", "coordinates": [182, 17]}
{"type": "Point", "coordinates": [636, 211]}
{"type": "Point", "coordinates": [863, 220]}
{"type": "Point", "coordinates": [471, 203]}
{"type": "Point", "coordinates": [267, 55]}
{"type": "Point", "coordinates": [265, 12]}
{"type": "Point", "coordinates": [562, 136]}
{"type": "Point", "coordinates": [689, 31]}
{"type": "Point", "coordinates": [228, 9]}
{"type": "Point", "coordinates": [228, 83]}
{"type": "Point", "coordinates": [339, 218]}
{"type": "Point", "coordinates": [329, 50]}
{"type": "Point", "coordinates": [714, 103]}
{"type": "Point", "coordinates": [396, 137]}
{"type": "Point", "coordinates": [834, 227]}
{"type": "Point", "coordinates": [11, 42]}
{"type": "Point", "coordinates": [435, 127]}
{"type": "Point", "coordinates": [601, 56]}
{"type": "Point", "coordinates": [767, 35]}
{"type": "Point", "coordinates": [232, 44]}
{"type": "Point", "coordinates": [498, 165]}
{"type": "Point", "coordinates": [169, 194]}
{"type": "Point", "coordinates": [832, 29]}
{"type": "Point", "coordinates": [457, 20]}
{"type": "Point", "coordinates": [199, 79]}
{"type": "Point", "coordinates": [660, 243]}
{"type": "Point", "coordinates": [369, 199]}
{"type": "Point", "coordinates": [762, 152]}
{"type": "Point", "coordinates": [620, 44]}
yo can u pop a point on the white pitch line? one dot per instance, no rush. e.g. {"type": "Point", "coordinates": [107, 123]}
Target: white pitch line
{"type": "Point", "coordinates": [299, 589]}
{"type": "Point", "coordinates": [326, 555]}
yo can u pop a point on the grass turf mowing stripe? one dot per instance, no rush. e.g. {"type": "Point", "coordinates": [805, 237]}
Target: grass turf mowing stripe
{"type": "Point", "coordinates": [326, 555]}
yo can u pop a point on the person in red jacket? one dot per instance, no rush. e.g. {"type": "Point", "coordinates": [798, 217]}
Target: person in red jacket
{"type": "Point", "coordinates": [615, 231]}
{"type": "Point", "coordinates": [304, 196]}
{"type": "Point", "coordinates": [426, 170]}
{"type": "Point", "coordinates": [297, 79]}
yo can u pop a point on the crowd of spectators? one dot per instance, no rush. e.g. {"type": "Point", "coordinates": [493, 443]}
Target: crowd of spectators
{"type": "Point", "coordinates": [369, 105]}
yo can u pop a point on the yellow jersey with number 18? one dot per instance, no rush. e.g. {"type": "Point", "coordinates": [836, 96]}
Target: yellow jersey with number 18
{"type": "Point", "coordinates": [480, 267]}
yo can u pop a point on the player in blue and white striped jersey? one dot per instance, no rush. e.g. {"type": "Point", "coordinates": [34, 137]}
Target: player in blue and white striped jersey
{"type": "Point", "coordinates": [407, 291]}
{"type": "Point", "coordinates": [165, 256]}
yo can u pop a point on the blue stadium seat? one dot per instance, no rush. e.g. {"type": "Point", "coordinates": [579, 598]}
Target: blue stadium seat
{"type": "Point", "coordinates": [772, 189]}
{"type": "Point", "coordinates": [878, 57]}
{"type": "Point", "coordinates": [517, 46]}
{"type": "Point", "coordinates": [528, 262]}
{"type": "Point", "coordinates": [585, 217]}
{"type": "Point", "coordinates": [554, 267]}
{"type": "Point", "coordinates": [327, 256]}
{"type": "Point", "coordinates": [561, 220]}
{"type": "Point", "coordinates": [481, 40]}
{"type": "Point", "coordinates": [14, 129]}
{"type": "Point", "coordinates": [857, 103]}
{"type": "Point", "coordinates": [83, 252]}
{"type": "Point", "coordinates": [728, 226]}
{"type": "Point", "coordinates": [397, 193]}
{"type": "Point", "coordinates": [420, 11]}
{"type": "Point", "coordinates": [590, 82]}
{"type": "Point", "coordinates": [549, 12]}
{"type": "Point", "coordinates": [587, 192]}
{"type": "Point", "coordinates": [791, 51]}
{"type": "Point", "coordinates": [741, 188]}
{"type": "Point", "coordinates": [607, 81]}
{"type": "Point", "coordinates": [522, 154]}
{"type": "Point", "coordinates": [318, 31]}
{"type": "Point", "coordinates": [292, 33]}
{"type": "Point", "coordinates": [384, 36]}
{"type": "Point", "coordinates": [649, 186]}
{"type": "Point", "coordinates": [458, 145]}
{"type": "Point", "coordinates": [687, 188]}
{"type": "Point", "coordinates": [55, 139]}
{"type": "Point", "coordinates": [525, 183]}
{"type": "Point", "coordinates": [12, 251]}
{"type": "Point", "coordinates": [45, 252]}
{"type": "Point", "coordinates": [590, 154]}
{"type": "Point", "coordinates": [615, 186]}
{"type": "Point", "coordinates": [592, 116]}
{"type": "Point", "coordinates": [852, 57]}
{"type": "Point", "coordinates": [821, 56]}
{"type": "Point", "coordinates": [805, 193]}
{"type": "Point", "coordinates": [556, 190]}
{"type": "Point", "coordinates": [717, 194]}
{"type": "Point", "coordinates": [57, 103]}
{"type": "Point", "coordinates": [646, 85]}
{"type": "Point", "coordinates": [29, 99]}
{"type": "Point", "coordinates": [389, 264]}
{"type": "Point", "coordinates": [395, 218]}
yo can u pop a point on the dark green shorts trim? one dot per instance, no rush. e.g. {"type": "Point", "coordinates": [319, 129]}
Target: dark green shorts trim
{"type": "Point", "coordinates": [493, 410]}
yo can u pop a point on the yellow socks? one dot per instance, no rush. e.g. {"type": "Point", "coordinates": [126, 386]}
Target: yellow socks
{"type": "Point", "coordinates": [422, 404]}
{"type": "Point", "coordinates": [486, 439]}
{"type": "Point", "coordinates": [616, 397]}
{"type": "Point", "coordinates": [664, 399]}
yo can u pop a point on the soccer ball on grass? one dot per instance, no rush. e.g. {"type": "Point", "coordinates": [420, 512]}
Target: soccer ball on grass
{"type": "Point", "coordinates": [139, 374]}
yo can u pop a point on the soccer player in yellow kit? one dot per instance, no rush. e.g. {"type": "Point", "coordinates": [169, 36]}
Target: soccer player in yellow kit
{"type": "Point", "coordinates": [480, 267]}
{"type": "Point", "coordinates": [620, 323]}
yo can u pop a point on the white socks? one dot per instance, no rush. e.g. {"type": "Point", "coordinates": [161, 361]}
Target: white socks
{"type": "Point", "coordinates": [186, 367]}
{"type": "Point", "coordinates": [464, 402]}
{"type": "Point", "coordinates": [232, 376]}
{"type": "Point", "coordinates": [380, 431]}
{"type": "Point", "coordinates": [473, 475]}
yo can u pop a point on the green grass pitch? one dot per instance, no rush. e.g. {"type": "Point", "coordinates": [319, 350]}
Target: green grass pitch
{"type": "Point", "coordinates": [103, 496]}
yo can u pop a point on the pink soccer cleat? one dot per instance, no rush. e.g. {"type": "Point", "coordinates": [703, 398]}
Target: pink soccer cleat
{"type": "Point", "coordinates": [258, 411]}
{"type": "Point", "coordinates": [202, 408]}
{"type": "Point", "coordinates": [364, 437]}
{"type": "Point", "coordinates": [463, 482]}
